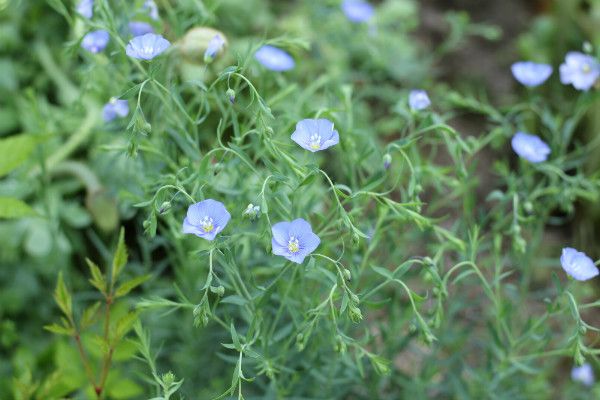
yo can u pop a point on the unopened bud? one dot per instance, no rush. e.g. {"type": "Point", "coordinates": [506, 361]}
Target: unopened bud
{"type": "Point", "coordinates": [164, 207]}
{"type": "Point", "coordinates": [387, 160]}
{"type": "Point", "coordinates": [231, 95]}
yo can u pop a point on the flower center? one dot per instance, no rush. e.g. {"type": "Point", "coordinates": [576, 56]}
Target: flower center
{"type": "Point", "coordinates": [315, 142]}
{"type": "Point", "coordinates": [293, 245]}
{"type": "Point", "coordinates": [207, 224]}
{"type": "Point", "coordinates": [586, 68]}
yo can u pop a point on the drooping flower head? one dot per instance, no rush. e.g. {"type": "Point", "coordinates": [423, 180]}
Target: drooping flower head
{"type": "Point", "coordinates": [206, 219]}
{"type": "Point", "coordinates": [147, 46]}
{"type": "Point", "coordinates": [95, 41]}
{"type": "Point", "coordinates": [115, 108]}
{"type": "Point", "coordinates": [85, 8]}
{"type": "Point", "coordinates": [215, 45]}
{"type": "Point", "coordinates": [358, 10]}
{"type": "Point", "coordinates": [274, 58]}
{"type": "Point", "coordinates": [418, 100]}
{"type": "Point", "coordinates": [579, 70]}
{"type": "Point", "coordinates": [577, 264]}
{"type": "Point", "coordinates": [294, 240]}
{"type": "Point", "coordinates": [531, 74]}
{"type": "Point", "coordinates": [140, 28]}
{"type": "Point", "coordinates": [315, 134]}
{"type": "Point", "coordinates": [152, 9]}
{"type": "Point", "coordinates": [530, 147]}
{"type": "Point", "coordinates": [583, 374]}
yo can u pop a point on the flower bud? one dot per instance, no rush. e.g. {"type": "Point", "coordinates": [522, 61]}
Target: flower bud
{"type": "Point", "coordinates": [202, 44]}
{"type": "Point", "coordinates": [387, 160]}
{"type": "Point", "coordinates": [355, 314]}
{"type": "Point", "coordinates": [231, 95]}
{"type": "Point", "coordinates": [251, 211]}
{"type": "Point", "coordinates": [164, 207]}
{"type": "Point", "coordinates": [347, 274]}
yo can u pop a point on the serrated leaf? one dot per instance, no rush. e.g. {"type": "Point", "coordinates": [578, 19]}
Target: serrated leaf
{"type": "Point", "coordinates": [63, 297]}
{"type": "Point", "coordinates": [89, 315]}
{"type": "Point", "coordinates": [124, 325]}
{"type": "Point", "coordinates": [14, 151]}
{"type": "Point", "coordinates": [120, 258]}
{"type": "Point", "coordinates": [97, 279]}
{"type": "Point", "coordinates": [59, 330]}
{"type": "Point", "coordinates": [131, 284]}
{"type": "Point", "coordinates": [14, 208]}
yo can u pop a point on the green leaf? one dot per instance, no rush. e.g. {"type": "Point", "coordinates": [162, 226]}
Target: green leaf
{"type": "Point", "coordinates": [14, 151]}
{"type": "Point", "coordinates": [59, 330]}
{"type": "Point", "coordinates": [120, 258]}
{"type": "Point", "coordinates": [89, 316]}
{"type": "Point", "coordinates": [14, 208]}
{"type": "Point", "coordinates": [97, 279]}
{"type": "Point", "coordinates": [128, 286]}
{"type": "Point", "coordinates": [125, 324]}
{"type": "Point", "coordinates": [63, 297]}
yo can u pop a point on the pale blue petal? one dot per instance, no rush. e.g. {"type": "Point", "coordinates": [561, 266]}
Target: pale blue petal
{"type": "Point", "coordinates": [531, 74]}
{"type": "Point", "coordinates": [140, 28]}
{"type": "Point", "coordinates": [274, 58]}
{"type": "Point", "coordinates": [530, 147]}
{"type": "Point", "coordinates": [95, 41]}
{"type": "Point", "coordinates": [357, 10]}
{"type": "Point", "coordinates": [583, 374]}
{"type": "Point", "coordinates": [281, 233]}
{"type": "Point", "coordinates": [577, 264]}
{"type": "Point", "coordinates": [418, 100]}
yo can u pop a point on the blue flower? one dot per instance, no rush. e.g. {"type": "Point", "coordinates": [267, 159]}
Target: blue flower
{"type": "Point", "coordinates": [294, 240]}
{"type": "Point", "coordinates": [418, 100]}
{"type": "Point", "coordinates": [140, 28]}
{"type": "Point", "coordinates": [580, 70]}
{"type": "Point", "coordinates": [152, 9]}
{"type": "Point", "coordinates": [147, 46]}
{"type": "Point", "coordinates": [583, 374]}
{"type": "Point", "coordinates": [530, 147]}
{"type": "Point", "coordinates": [358, 10]}
{"type": "Point", "coordinates": [274, 58]}
{"type": "Point", "coordinates": [531, 74]}
{"type": "Point", "coordinates": [315, 134]}
{"type": "Point", "coordinates": [85, 8]}
{"type": "Point", "coordinates": [115, 108]}
{"type": "Point", "coordinates": [577, 264]}
{"type": "Point", "coordinates": [206, 219]}
{"type": "Point", "coordinates": [215, 45]}
{"type": "Point", "coordinates": [95, 41]}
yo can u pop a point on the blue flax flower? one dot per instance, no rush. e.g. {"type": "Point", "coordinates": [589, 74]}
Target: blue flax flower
{"type": "Point", "coordinates": [85, 8]}
{"type": "Point", "coordinates": [583, 374]}
{"type": "Point", "coordinates": [418, 100]}
{"type": "Point", "coordinates": [95, 41]}
{"type": "Point", "coordinates": [531, 74]}
{"type": "Point", "coordinates": [579, 70]}
{"type": "Point", "coordinates": [358, 10]}
{"type": "Point", "coordinates": [140, 28]}
{"type": "Point", "coordinates": [577, 264]}
{"type": "Point", "coordinates": [215, 45]}
{"type": "Point", "coordinates": [115, 108]}
{"type": "Point", "coordinates": [530, 147]}
{"type": "Point", "coordinates": [274, 58]}
{"type": "Point", "coordinates": [315, 134]}
{"type": "Point", "coordinates": [294, 240]}
{"type": "Point", "coordinates": [206, 219]}
{"type": "Point", "coordinates": [147, 46]}
{"type": "Point", "coordinates": [152, 9]}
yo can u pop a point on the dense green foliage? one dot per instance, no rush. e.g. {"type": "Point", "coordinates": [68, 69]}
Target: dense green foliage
{"type": "Point", "coordinates": [436, 277]}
